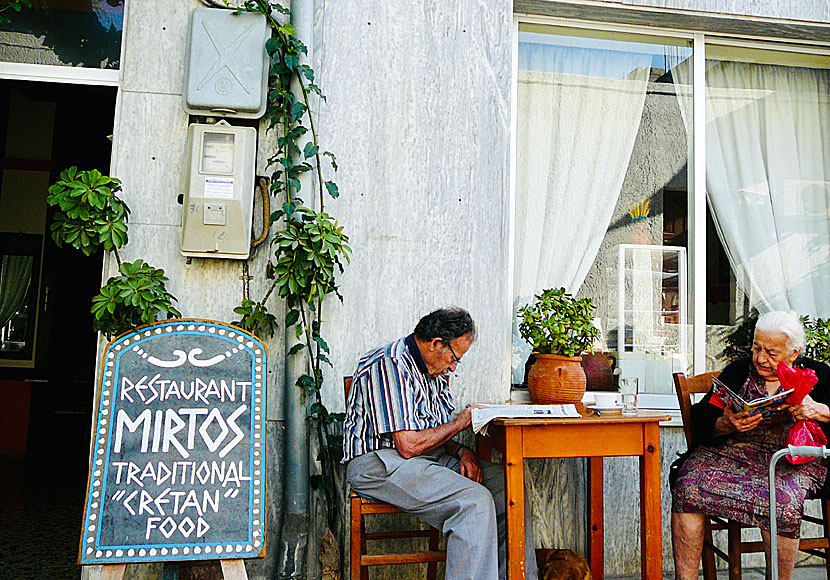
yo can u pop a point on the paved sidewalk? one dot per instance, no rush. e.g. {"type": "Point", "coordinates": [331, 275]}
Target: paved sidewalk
{"type": "Point", "coordinates": [800, 573]}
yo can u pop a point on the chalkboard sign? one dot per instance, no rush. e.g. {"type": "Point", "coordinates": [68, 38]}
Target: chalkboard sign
{"type": "Point", "coordinates": [178, 455]}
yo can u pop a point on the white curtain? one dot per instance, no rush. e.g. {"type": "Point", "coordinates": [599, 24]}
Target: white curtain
{"type": "Point", "coordinates": [578, 115]}
{"type": "Point", "coordinates": [768, 153]}
{"type": "Point", "coordinates": [15, 274]}
{"type": "Point", "coordinates": [768, 171]}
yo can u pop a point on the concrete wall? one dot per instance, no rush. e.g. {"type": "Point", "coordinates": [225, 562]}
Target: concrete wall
{"type": "Point", "coordinates": [418, 116]}
{"type": "Point", "coordinates": [149, 147]}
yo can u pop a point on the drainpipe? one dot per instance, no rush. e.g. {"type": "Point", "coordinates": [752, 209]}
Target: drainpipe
{"type": "Point", "coordinates": [295, 521]}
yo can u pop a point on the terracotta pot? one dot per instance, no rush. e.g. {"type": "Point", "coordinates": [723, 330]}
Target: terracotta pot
{"type": "Point", "coordinates": [599, 370]}
{"type": "Point", "coordinates": [555, 379]}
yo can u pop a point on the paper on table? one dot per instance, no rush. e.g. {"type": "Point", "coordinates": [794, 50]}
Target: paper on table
{"type": "Point", "coordinates": [486, 413]}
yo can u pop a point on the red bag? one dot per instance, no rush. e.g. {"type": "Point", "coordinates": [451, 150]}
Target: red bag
{"type": "Point", "coordinates": [801, 380]}
{"type": "Point", "coordinates": [803, 432]}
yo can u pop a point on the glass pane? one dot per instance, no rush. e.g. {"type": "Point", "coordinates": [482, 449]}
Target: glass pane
{"type": "Point", "coordinates": [602, 154]}
{"type": "Point", "coordinates": [83, 33]}
{"type": "Point", "coordinates": [15, 319]}
{"type": "Point", "coordinates": [768, 183]}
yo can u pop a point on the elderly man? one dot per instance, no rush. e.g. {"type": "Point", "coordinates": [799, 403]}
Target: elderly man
{"type": "Point", "coordinates": [398, 443]}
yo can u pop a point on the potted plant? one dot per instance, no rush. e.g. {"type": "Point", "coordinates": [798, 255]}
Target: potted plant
{"type": "Point", "coordinates": [560, 328]}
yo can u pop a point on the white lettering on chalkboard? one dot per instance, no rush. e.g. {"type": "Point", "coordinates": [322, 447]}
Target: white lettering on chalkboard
{"type": "Point", "coordinates": [150, 389]}
{"type": "Point", "coordinates": [221, 473]}
{"type": "Point", "coordinates": [167, 425]}
{"type": "Point", "coordinates": [182, 356]}
{"type": "Point", "coordinates": [169, 526]}
{"type": "Point", "coordinates": [179, 446]}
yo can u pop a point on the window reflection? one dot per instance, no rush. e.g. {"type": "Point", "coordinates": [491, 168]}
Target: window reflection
{"type": "Point", "coordinates": [602, 153]}
{"type": "Point", "coordinates": [83, 33]}
{"type": "Point", "coordinates": [19, 259]}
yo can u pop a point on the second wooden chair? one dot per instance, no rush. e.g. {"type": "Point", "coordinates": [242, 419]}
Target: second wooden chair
{"type": "Point", "coordinates": [685, 387]}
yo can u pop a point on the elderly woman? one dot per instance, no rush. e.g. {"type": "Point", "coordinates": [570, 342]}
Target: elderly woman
{"type": "Point", "coordinates": [726, 473]}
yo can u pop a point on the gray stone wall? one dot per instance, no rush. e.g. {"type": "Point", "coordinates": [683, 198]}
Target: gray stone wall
{"type": "Point", "coordinates": [418, 116]}
{"type": "Point", "coordinates": [149, 148]}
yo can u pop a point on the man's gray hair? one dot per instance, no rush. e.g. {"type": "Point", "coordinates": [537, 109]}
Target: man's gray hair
{"type": "Point", "coordinates": [786, 323]}
{"type": "Point", "coordinates": [446, 324]}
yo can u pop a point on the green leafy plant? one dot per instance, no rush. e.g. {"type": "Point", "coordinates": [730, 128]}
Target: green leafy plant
{"type": "Point", "coordinates": [256, 319]}
{"type": "Point", "coordinates": [134, 297]}
{"type": "Point", "coordinates": [558, 323]}
{"type": "Point", "coordinates": [89, 217]}
{"type": "Point", "coordinates": [15, 5]}
{"type": "Point", "coordinates": [818, 338]}
{"type": "Point", "coordinates": [309, 247]}
{"type": "Point", "coordinates": [738, 340]}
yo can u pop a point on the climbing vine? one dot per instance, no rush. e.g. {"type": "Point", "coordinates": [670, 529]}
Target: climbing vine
{"type": "Point", "coordinates": [309, 248]}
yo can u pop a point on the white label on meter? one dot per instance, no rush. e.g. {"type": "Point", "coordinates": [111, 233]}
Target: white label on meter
{"type": "Point", "coordinates": [219, 187]}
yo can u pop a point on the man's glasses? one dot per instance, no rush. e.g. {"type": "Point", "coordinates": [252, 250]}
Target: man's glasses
{"type": "Point", "coordinates": [455, 359]}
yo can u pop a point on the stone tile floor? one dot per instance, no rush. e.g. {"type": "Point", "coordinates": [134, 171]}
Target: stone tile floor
{"type": "Point", "coordinates": [40, 524]}
{"type": "Point", "coordinates": [801, 573]}
{"type": "Point", "coordinates": [40, 521]}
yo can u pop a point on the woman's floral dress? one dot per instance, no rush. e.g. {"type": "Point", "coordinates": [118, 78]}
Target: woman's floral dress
{"type": "Point", "coordinates": [730, 477]}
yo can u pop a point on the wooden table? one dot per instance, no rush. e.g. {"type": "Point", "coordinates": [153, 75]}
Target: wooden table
{"type": "Point", "coordinates": [595, 438]}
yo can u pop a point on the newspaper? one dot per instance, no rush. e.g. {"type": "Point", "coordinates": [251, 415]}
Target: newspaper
{"type": "Point", "coordinates": [485, 413]}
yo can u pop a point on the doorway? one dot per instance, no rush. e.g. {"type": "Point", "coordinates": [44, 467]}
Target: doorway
{"type": "Point", "coordinates": [47, 346]}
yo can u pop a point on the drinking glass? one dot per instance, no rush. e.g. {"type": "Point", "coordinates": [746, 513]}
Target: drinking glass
{"type": "Point", "coordinates": [628, 395]}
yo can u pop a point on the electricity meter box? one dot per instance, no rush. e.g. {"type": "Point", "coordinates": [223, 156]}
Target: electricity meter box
{"type": "Point", "coordinates": [219, 200]}
{"type": "Point", "coordinates": [227, 65]}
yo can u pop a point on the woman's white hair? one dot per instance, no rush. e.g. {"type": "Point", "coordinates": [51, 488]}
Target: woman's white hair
{"type": "Point", "coordinates": [786, 323]}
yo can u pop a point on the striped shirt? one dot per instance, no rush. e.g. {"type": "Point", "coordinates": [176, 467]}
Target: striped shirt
{"type": "Point", "coordinates": [392, 391]}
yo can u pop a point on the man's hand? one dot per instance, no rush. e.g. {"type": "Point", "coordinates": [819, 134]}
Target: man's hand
{"type": "Point", "coordinates": [412, 443]}
{"type": "Point", "coordinates": [465, 417]}
{"type": "Point", "coordinates": [810, 409]}
{"type": "Point", "coordinates": [470, 467]}
{"type": "Point", "coordinates": [731, 422]}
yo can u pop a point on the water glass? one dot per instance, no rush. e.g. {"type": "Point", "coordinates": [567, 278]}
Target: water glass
{"type": "Point", "coordinates": [628, 395]}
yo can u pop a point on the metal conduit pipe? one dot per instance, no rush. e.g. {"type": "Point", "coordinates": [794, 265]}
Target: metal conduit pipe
{"type": "Point", "coordinates": [293, 544]}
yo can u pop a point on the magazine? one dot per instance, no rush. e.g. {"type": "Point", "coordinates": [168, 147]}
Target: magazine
{"type": "Point", "coordinates": [764, 405]}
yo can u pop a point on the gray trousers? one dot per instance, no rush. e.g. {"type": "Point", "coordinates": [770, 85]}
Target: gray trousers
{"type": "Point", "coordinates": [471, 515]}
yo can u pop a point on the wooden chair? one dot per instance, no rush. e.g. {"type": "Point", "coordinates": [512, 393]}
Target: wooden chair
{"type": "Point", "coordinates": [735, 546]}
{"type": "Point", "coordinates": [360, 560]}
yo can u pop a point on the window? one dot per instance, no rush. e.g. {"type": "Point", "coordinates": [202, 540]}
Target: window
{"type": "Point", "coordinates": [19, 272]}
{"type": "Point", "coordinates": [77, 33]}
{"type": "Point", "coordinates": [602, 152]}
{"type": "Point", "coordinates": [605, 194]}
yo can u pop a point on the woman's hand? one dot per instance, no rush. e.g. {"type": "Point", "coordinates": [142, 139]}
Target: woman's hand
{"type": "Point", "coordinates": [810, 409]}
{"type": "Point", "coordinates": [732, 422]}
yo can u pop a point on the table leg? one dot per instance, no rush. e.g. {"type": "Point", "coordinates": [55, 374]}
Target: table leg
{"type": "Point", "coordinates": [515, 499]}
{"type": "Point", "coordinates": [596, 518]}
{"type": "Point", "coordinates": [651, 524]}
